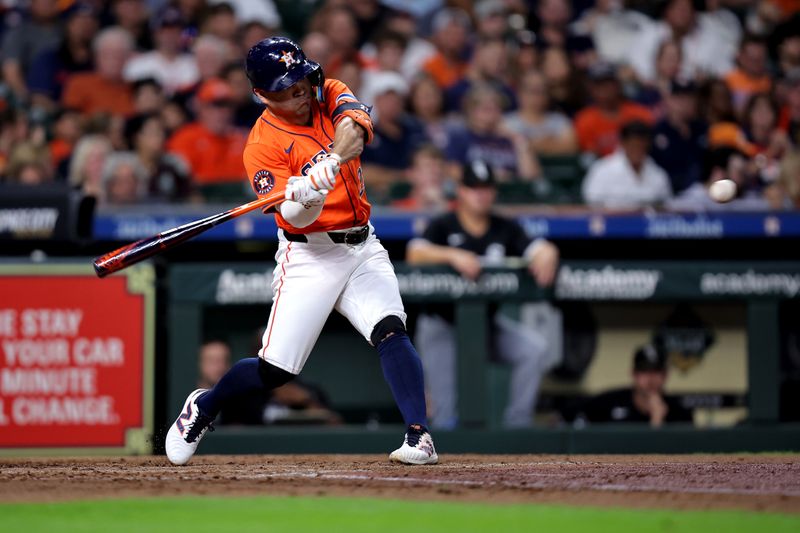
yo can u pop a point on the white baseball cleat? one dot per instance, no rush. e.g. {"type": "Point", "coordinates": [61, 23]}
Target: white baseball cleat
{"type": "Point", "coordinates": [417, 448]}
{"type": "Point", "coordinates": [185, 434]}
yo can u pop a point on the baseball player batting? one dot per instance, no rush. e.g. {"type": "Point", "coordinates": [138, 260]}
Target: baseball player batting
{"type": "Point", "coordinates": [307, 142]}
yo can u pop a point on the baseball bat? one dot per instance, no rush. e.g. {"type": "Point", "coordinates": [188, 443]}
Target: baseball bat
{"type": "Point", "coordinates": [140, 250]}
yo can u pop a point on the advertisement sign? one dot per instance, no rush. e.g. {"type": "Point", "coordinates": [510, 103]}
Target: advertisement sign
{"type": "Point", "coordinates": [75, 358]}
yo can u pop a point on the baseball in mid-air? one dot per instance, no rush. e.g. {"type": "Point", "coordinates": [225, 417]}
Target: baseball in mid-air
{"type": "Point", "coordinates": [722, 190]}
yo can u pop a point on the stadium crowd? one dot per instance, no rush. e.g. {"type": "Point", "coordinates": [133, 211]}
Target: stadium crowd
{"type": "Point", "coordinates": [142, 101]}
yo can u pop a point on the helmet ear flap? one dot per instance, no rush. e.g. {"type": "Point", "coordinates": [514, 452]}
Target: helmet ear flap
{"type": "Point", "coordinates": [317, 80]}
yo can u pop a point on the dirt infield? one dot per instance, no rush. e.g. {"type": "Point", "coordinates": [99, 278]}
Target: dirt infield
{"type": "Point", "coordinates": [751, 482]}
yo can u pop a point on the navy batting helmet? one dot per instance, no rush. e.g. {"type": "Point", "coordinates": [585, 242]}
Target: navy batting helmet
{"type": "Point", "coordinates": [277, 63]}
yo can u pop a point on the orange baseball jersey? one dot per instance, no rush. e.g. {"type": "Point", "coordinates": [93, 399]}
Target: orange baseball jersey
{"type": "Point", "coordinates": [277, 150]}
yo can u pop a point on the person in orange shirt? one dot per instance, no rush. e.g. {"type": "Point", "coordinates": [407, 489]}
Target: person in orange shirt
{"type": "Point", "coordinates": [103, 90]}
{"type": "Point", "coordinates": [450, 35]}
{"type": "Point", "coordinates": [307, 144]}
{"type": "Point", "coordinates": [750, 76]}
{"type": "Point", "coordinates": [598, 125]}
{"type": "Point", "coordinates": [211, 146]}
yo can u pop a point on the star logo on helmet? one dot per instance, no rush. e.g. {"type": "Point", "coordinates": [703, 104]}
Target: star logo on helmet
{"type": "Point", "coordinates": [288, 58]}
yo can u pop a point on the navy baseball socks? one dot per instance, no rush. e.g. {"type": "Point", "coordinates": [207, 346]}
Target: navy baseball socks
{"type": "Point", "coordinates": [402, 369]}
{"type": "Point", "coordinates": [203, 405]}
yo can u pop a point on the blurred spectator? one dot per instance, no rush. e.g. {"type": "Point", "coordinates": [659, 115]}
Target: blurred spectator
{"type": "Point", "coordinates": [51, 67]}
{"type": "Point", "coordinates": [612, 28]}
{"type": "Point", "coordinates": [247, 108]}
{"type": "Point", "coordinates": [750, 75]}
{"type": "Point", "coordinates": [451, 28]}
{"type": "Point", "coordinates": [168, 64]}
{"type": "Point", "coordinates": [396, 134]}
{"type": "Point", "coordinates": [628, 178]}
{"type": "Point", "coordinates": [484, 138]}
{"type": "Point", "coordinates": [351, 73]}
{"type": "Point", "coordinates": [148, 96]}
{"type": "Point", "coordinates": [564, 86]}
{"type": "Point", "coordinates": [598, 124]}
{"type": "Point", "coordinates": [23, 43]}
{"type": "Point", "coordinates": [680, 138]}
{"type": "Point", "coordinates": [426, 103]}
{"type": "Point", "coordinates": [789, 55]}
{"type": "Point", "coordinates": [29, 164]}
{"type": "Point", "coordinates": [491, 17]}
{"type": "Point", "coordinates": [220, 22]}
{"type": "Point", "coordinates": [760, 122]}
{"type": "Point", "coordinates": [66, 131]}
{"type": "Point", "coordinates": [790, 114]}
{"type": "Point", "coordinates": [468, 239]}
{"type": "Point", "coordinates": [132, 15]}
{"type": "Point", "coordinates": [427, 177]}
{"type": "Point", "coordinates": [124, 179]}
{"type": "Point", "coordinates": [317, 47]}
{"type": "Point", "coordinates": [726, 162]}
{"type": "Point", "coordinates": [668, 66]}
{"type": "Point", "coordinates": [103, 90]}
{"type": "Point", "coordinates": [389, 48]}
{"type": "Point", "coordinates": [166, 175]}
{"type": "Point", "coordinates": [553, 18]}
{"type": "Point", "coordinates": [175, 116]}
{"type": "Point", "coordinates": [250, 33]}
{"type": "Point", "coordinates": [785, 192]}
{"type": "Point", "coordinates": [717, 102]}
{"type": "Point", "coordinates": [525, 56]}
{"type": "Point", "coordinates": [369, 15]}
{"type": "Point", "coordinates": [87, 163]}
{"type": "Point", "coordinates": [262, 12]}
{"type": "Point", "coordinates": [548, 132]}
{"type": "Point", "coordinates": [489, 65]}
{"type": "Point", "coordinates": [211, 55]}
{"type": "Point", "coordinates": [706, 44]}
{"type": "Point", "coordinates": [211, 146]}
{"type": "Point", "coordinates": [645, 402]}
{"type": "Point", "coordinates": [417, 50]}
{"type": "Point", "coordinates": [14, 128]}
{"type": "Point", "coordinates": [293, 402]}
{"type": "Point", "coordinates": [339, 25]}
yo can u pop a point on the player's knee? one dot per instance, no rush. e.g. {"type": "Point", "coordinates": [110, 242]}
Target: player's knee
{"type": "Point", "coordinates": [387, 327]}
{"type": "Point", "coordinates": [271, 376]}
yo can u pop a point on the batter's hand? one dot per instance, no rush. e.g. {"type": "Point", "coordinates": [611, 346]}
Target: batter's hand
{"type": "Point", "coordinates": [323, 174]}
{"type": "Point", "coordinates": [300, 190]}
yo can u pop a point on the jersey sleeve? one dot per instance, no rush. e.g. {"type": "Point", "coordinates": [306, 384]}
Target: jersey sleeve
{"type": "Point", "coordinates": [266, 170]}
{"type": "Point", "coordinates": [340, 102]}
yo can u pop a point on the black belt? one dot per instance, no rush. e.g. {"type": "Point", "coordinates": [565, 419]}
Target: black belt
{"type": "Point", "coordinates": [353, 236]}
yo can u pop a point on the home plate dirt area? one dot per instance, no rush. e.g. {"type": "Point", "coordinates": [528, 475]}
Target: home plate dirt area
{"type": "Point", "coordinates": [748, 482]}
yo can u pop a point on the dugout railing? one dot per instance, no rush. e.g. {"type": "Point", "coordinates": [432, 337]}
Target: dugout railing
{"type": "Point", "coordinates": [200, 295]}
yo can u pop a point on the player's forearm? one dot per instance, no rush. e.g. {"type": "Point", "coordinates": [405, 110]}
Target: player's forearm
{"type": "Point", "coordinates": [299, 215]}
{"type": "Point", "coordinates": [348, 142]}
{"type": "Point", "coordinates": [421, 252]}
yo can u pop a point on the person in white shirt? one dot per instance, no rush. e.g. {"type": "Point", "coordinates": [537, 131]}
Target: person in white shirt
{"type": "Point", "coordinates": [168, 64]}
{"type": "Point", "coordinates": [628, 178]}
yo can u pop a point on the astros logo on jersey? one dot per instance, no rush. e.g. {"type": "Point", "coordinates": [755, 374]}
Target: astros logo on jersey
{"type": "Point", "coordinates": [263, 181]}
{"type": "Point", "coordinates": [288, 58]}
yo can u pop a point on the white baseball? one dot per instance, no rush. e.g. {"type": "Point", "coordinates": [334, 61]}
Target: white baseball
{"type": "Point", "coordinates": [722, 190]}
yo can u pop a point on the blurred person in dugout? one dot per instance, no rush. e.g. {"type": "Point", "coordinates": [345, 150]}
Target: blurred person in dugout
{"type": "Point", "coordinates": [467, 239]}
{"type": "Point", "coordinates": [645, 401]}
{"type": "Point", "coordinates": [294, 402]}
